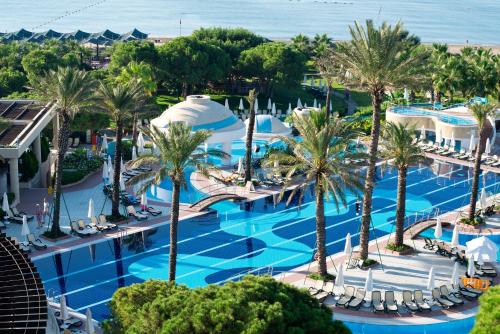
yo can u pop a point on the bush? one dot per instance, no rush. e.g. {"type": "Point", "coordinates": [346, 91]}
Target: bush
{"type": "Point", "coordinates": [45, 148]}
{"type": "Point", "coordinates": [488, 318]}
{"type": "Point", "coordinates": [402, 248]}
{"type": "Point", "coordinates": [253, 305]}
{"type": "Point", "coordinates": [28, 166]}
{"type": "Point", "coordinates": [474, 222]}
{"type": "Point", "coordinates": [72, 176]}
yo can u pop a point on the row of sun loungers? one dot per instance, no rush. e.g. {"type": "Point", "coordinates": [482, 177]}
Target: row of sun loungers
{"type": "Point", "coordinates": [15, 216]}
{"type": "Point", "coordinates": [447, 151]}
{"type": "Point", "coordinates": [32, 242]}
{"type": "Point", "coordinates": [82, 229]}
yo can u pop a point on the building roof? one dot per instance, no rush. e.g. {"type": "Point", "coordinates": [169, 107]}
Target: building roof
{"type": "Point", "coordinates": [23, 303]}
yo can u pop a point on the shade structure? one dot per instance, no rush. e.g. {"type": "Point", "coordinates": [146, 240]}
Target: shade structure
{"type": "Point", "coordinates": [454, 275]}
{"type": "Point", "coordinates": [471, 143]}
{"type": "Point", "coordinates": [482, 250]}
{"type": "Point", "coordinates": [104, 145]}
{"type": "Point", "coordinates": [64, 308]}
{"type": "Point", "coordinates": [454, 237]}
{"type": "Point", "coordinates": [471, 270]}
{"type": "Point", "coordinates": [89, 323]}
{"type": "Point", "coordinates": [25, 230]}
{"type": "Point", "coordinates": [299, 103]}
{"type": "Point", "coordinates": [144, 201]}
{"type": "Point", "coordinates": [134, 153]}
{"type": "Point", "coordinates": [5, 203]}
{"type": "Point", "coordinates": [438, 230]}
{"type": "Point", "coordinates": [339, 280]}
{"type": "Point", "coordinates": [267, 127]}
{"type": "Point", "coordinates": [241, 170]}
{"type": "Point", "coordinates": [369, 281]}
{"type": "Point", "coordinates": [241, 107]}
{"type": "Point", "coordinates": [90, 212]}
{"type": "Point", "coordinates": [226, 104]}
{"type": "Point", "coordinates": [487, 148]}
{"type": "Point", "coordinates": [347, 246]}
{"type": "Point", "coordinates": [430, 279]}
{"type": "Point", "coordinates": [269, 104]}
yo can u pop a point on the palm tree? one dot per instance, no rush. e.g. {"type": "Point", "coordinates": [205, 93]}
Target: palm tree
{"type": "Point", "coordinates": [376, 58]}
{"type": "Point", "coordinates": [328, 71]}
{"type": "Point", "coordinates": [252, 95]}
{"type": "Point", "coordinates": [481, 113]}
{"type": "Point", "coordinates": [71, 90]}
{"type": "Point", "coordinates": [321, 156]}
{"type": "Point", "coordinates": [179, 149]}
{"type": "Point", "coordinates": [121, 101]}
{"type": "Point", "coordinates": [399, 147]}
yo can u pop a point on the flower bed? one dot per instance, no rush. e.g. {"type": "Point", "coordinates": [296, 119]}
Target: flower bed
{"type": "Point", "coordinates": [77, 165]}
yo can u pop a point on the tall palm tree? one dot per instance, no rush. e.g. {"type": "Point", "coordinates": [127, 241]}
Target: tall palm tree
{"type": "Point", "coordinates": [122, 101]}
{"type": "Point", "coordinates": [481, 113]}
{"type": "Point", "coordinates": [71, 90]}
{"type": "Point", "coordinates": [376, 58]}
{"type": "Point", "coordinates": [321, 156]}
{"type": "Point", "coordinates": [399, 147]}
{"type": "Point", "coordinates": [328, 71]}
{"type": "Point", "coordinates": [179, 149]}
{"type": "Point", "coordinates": [252, 95]}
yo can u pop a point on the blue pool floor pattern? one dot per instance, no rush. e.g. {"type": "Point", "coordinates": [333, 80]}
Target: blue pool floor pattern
{"type": "Point", "coordinates": [247, 239]}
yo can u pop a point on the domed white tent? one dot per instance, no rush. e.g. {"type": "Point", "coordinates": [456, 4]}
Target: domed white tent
{"type": "Point", "coordinates": [267, 127]}
{"type": "Point", "coordinates": [201, 113]}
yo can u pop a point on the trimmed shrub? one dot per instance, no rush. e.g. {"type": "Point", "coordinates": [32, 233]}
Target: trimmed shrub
{"type": "Point", "coordinates": [28, 166]}
{"type": "Point", "coordinates": [488, 318]}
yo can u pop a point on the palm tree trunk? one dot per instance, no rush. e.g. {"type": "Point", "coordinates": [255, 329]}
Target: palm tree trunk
{"type": "Point", "coordinates": [174, 221]}
{"type": "Point", "coordinates": [249, 140]}
{"type": "Point", "coordinates": [401, 206]}
{"type": "Point", "coordinates": [134, 129]}
{"type": "Point", "coordinates": [62, 144]}
{"type": "Point", "coordinates": [321, 230]}
{"type": "Point", "coordinates": [115, 207]}
{"type": "Point", "coordinates": [328, 97]}
{"type": "Point", "coordinates": [377, 96]}
{"type": "Point", "coordinates": [475, 179]}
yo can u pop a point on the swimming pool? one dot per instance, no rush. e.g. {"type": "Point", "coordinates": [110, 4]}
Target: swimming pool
{"type": "Point", "coordinates": [450, 119]}
{"type": "Point", "coordinates": [259, 237]}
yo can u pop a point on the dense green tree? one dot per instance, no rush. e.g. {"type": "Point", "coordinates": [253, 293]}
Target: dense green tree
{"type": "Point", "coordinates": [254, 305]}
{"type": "Point", "coordinates": [303, 44]}
{"type": "Point", "coordinates": [488, 317]}
{"type": "Point", "coordinates": [177, 150]}
{"type": "Point", "coordinates": [321, 156]}
{"type": "Point", "coordinates": [376, 58]}
{"type": "Point", "coordinates": [132, 51]}
{"type": "Point", "coordinates": [188, 62]}
{"type": "Point", "coordinates": [273, 63]}
{"type": "Point", "coordinates": [11, 81]}
{"type": "Point", "coordinates": [320, 43]}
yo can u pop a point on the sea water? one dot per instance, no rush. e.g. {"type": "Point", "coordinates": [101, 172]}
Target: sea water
{"type": "Point", "coordinates": [451, 21]}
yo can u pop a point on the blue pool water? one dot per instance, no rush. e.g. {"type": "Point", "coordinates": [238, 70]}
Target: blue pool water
{"type": "Point", "coordinates": [450, 119]}
{"type": "Point", "coordinates": [242, 238]}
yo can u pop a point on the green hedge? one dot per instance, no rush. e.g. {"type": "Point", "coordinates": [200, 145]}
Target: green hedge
{"type": "Point", "coordinates": [69, 177]}
{"type": "Point", "coordinates": [45, 148]}
{"type": "Point", "coordinates": [28, 166]}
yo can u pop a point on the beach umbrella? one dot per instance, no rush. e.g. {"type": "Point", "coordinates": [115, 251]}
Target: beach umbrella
{"type": "Point", "coordinates": [109, 161]}
{"type": "Point", "coordinates": [5, 203]}
{"type": "Point", "coordinates": [104, 145]}
{"type": "Point", "coordinates": [111, 173]}
{"type": "Point", "coordinates": [406, 95]}
{"type": "Point", "coordinates": [240, 166]}
{"type": "Point", "coordinates": [256, 105]}
{"type": "Point", "coordinates": [482, 249]}
{"type": "Point", "coordinates": [64, 308]}
{"type": "Point", "coordinates": [483, 200]}
{"type": "Point", "coordinates": [369, 281]}
{"type": "Point", "coordinates": [273, 109]}
{"type": "Point", "coordinates": [422, 133]}
{"type": "Point", "coordinates": [91, 212]}
{"type": "Point", "coordinates": [339, 280]}
{"type": "Point", "coordinates": [471, 143]}
{"type": "Point", "coordinates": [438, 231]}
{"type": "Point", "coordinates": [241, 104]}
{"type": "Point", "coordinates": [299, 103]}
{"type": "Point", "coordinates": [315, 103]}
{"type": "Point", "coordinates": [134, 153]}
{"type": "Point", "coordinates": [269, 104]}
{"type": "Point", "coordinates": [471, 269]}
{"type": "Point", "coordinates": [347, 246]}
{"type": "Point", "coordinates": [226, 104]}
{"type": "Point", "coordinates": [430, 279]}
{"type": "Point", "coordinates": [105, 171]}
{"type": "Point", "coordinates": [122, 183]}
{"type": "Point", "coordinates": [144, 201]}
{"type": "Point", "coordinates": [319, 106]}
{"type": "Point", "coordinates": [140, 143]}
{"type": "Point", "coordinates": [454, 237]}
{"type": "Point", "coordinates": [25, 230]}
{"type": "Point", "coordinates": [289, 110]}
{"type": "Point", "coordinates": [89, 323]}
{"type": "Point", "coordinates": [305, 105]}
{"type": "Point", "coordinates": [331, 106]}
{"type": "Point", "coordinates": [487, 149]}
{"type": "Point", "coordinates": [454, 276]}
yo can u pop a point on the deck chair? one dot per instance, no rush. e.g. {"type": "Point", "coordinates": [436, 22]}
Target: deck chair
{"type": "Point", "coordinates": [24, 246]}
{"type": "Point", "coordinates": [377, 304]}
{"type": "Point", "coordinates": [409, 303]}
{"type": "Point", "coordinates": [352, 263]}
{"type": "Point", "coordinates": [83, 226]}
{"type": "Point", "coordinates": [21, 214]}
{"type": "Point", "coordinates": [469, 288]}
{"type": "Point", "coordinates": [82, 232]}
{"type": "Point", "coordinates": [346, 297]}
{"type": "Point", "coordinates": [450, 296]}
{"type": "Point", "coordinates": [429, 244]}
{"type": "Point", "coordinates": [438, 298]}
{"type": "Point", "coordinates": [131, 212]}
{"type": "Point", "coordinates": [391, 305]}
{"type": "Point", "coordinates": [153, 211]}
{"type": "Point", "coordinates": [421, 302]}
{"type": "Point", "coordinates": [358, 299]}
{"type": "Point", "coordinates": [97, 225]}
{"type": "Point", "coordinates": [35, 242]}
{"type": "Point", "coordinates": [103, 222]}
{"type": "Point", "coordinates": [14, 219]}
{"type": "Point", "coordinates": [488, 271]}
{"type": "Point", "coordinates": [317, 287]}
{"type": "Point", "coordinates": [464, 293]}
{"type": "Point", "coordinates": [326, 292]}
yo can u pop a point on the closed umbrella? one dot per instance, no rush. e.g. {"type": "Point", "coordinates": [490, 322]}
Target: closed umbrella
{"type": "Point", "coordinates": [319, 106]}
{"type": "Point", "coordinates": [273, 109]}
{"type": "Point", "coordinates": [226, 104]}
{"type": "Point", "coordinates": [438, 230]}
{"type": "Point", "coordinates": [299, 103]}
{"type": "Point", "coordinates": [140, 143]}
{"type": "Point", "coordinates": [241, 107]}
{"type": "Point", "coordinates": [454, 237]}
{"type": "Point", "coordinates": [144, 201]}
{"type": "Point", "coordinates": [422, 133]}
{"type": "Point", "coordinates": [471, 269]}
{"type": "Point", "coordinates": [430, 279]}
{"type": "Point", "coordinates": [483, 200]}
{"type": "Point", "coordinates": [487, 149]}
{"type": "Point", "coordinates": [109, 161]}
{"type": "Point", "coordinates": [289, 110]}
{"type": "Point", "coordinates": [315, 103]}
{"type": "Point", "coordinates": [439, 138]}
{"type": "Point", "coordinates": [134, 153]}
{"type": "Point", "coordinates": [105, 171]}
{"type": "Point", "coordinates": [91, 212]}
{"type": "Point", "coordinates": [454, 276]}
{"type": "Point", "coordinates": [357, 141]}
{"type": "Point", "coordinates": [339, 280]}
{"type": "Point", "coordinates": [64, 308]}
{"type": "Point", "coordinates": [369, 281]}
{"type": "Point", "coordinates": [311, 83]}
{"type": "Point", "coordinates": [269, 104]}
{"type": "Point", "coordinates": [240, 166]}
{"type": "Point", "coordinates": [452, 140]}
{"type": "Point", "coordinates": [5, 203]}
{"type": "Point", "coordinates": [104, 145]}
{"type": "Point", "coordinates": [406, 95]}
{"type": "Point", "coordinates": [471, 143]}
{"type": "Point", "coordinates": [111, 173]}
{"type": "Point", "coordinates": [25, 230]}
{"type": "Point", "coordinates": [331, 106]}
{"type": "Point", "coordinates": [122, 183]}
{"type": "Point", "coordinates": [256, 105]}
{"type": "Point", "coordinates": [122, 165]}
{"type": "Point", "coordinates": [347, 246]}
{"type": "Point", "coordinates": [89, 323]}
{"type": "Point", "coordinates": [305, 79]}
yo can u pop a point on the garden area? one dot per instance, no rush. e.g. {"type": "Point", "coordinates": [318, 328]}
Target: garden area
{"type": "Point", "coordinates": [78, 164]}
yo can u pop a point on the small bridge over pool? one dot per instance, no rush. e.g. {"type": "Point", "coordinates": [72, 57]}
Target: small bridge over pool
{"type": "Point", "coordinates": [204, 203]}
{"type": "Point", "coordinates": [414, 230]}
